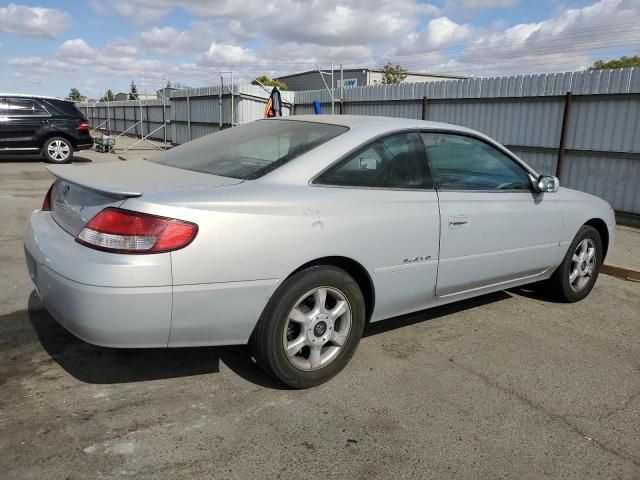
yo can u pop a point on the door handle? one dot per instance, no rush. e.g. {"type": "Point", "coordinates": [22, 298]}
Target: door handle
{"type": "Point", "coordinates": [458, 221]}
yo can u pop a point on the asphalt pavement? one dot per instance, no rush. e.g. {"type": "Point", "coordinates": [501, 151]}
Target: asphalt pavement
{"type": "Point", "coordinates": [508, 385]}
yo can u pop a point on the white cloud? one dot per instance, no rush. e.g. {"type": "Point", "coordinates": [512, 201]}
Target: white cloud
{"type": "Point", "coordinates": [76, 49]}
{"type": "Point", "coordinates": [33, 21]}
{"type": "Point", "coordinates": [440, 32]}
{"type": "Point", "coordinates": [275, 38]}
{"type": "Point", "coordinates": [170, 41]}
{"type": "Point", "coordinates": [329, 22]}
{"type": "Point", "coordinates": [226, 53]}
{"type": "Point", "coordinates": [561, 43]}
{"type": "Point", "coordinates": [481, 4]}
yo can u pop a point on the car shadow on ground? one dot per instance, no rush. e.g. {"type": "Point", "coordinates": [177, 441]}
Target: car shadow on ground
{"type": "Point", "coordinates": [100, 365]}
{"type": "Point", "coordinates": [4, 158]}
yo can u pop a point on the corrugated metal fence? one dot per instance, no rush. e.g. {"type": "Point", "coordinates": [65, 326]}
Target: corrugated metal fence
{"type": "Point", "coordinates": [528, 113]}
{"type": "Point", "coordinates": [189, 113]}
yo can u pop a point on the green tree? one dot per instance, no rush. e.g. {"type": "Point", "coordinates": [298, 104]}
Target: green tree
{"type": "Point", "coordinates": [76, 96]}
{"type": "Point", "coordinates": [108, 96]}
{"type": "Point", "coordinates": [133, 91]}
{"type": "Point", "coordinates": [622, 62]}
{"type": "Point", "coordinates": [393, 75]}
{"type": "Point", "coordinates": [264, 80]}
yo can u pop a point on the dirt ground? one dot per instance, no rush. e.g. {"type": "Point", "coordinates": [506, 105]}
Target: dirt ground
{"type": "Point", "coordinates": [506, 385]}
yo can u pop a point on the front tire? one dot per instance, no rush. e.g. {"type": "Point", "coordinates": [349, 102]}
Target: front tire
{"type": "Point", "coordinates": [578, 272]}
{"type": "Point", "coordinates": [57, 150]}
{"type": "Point", "coordinates": [310, 328]}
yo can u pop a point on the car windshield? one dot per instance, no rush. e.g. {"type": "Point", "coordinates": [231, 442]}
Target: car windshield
{"type": "Point", "coordinates": [251, 150]}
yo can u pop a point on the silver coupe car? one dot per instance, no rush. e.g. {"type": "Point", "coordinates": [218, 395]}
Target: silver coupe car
{"type": "Point", "coordinates": [291, 234]}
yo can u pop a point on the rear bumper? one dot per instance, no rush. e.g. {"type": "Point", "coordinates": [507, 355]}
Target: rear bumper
{"type": "Point", "coordinates": [84, 145]}
{"type": "Point", "coordinates": [105, 315]}
{"type": "Point", "coordinates": [128, 301]}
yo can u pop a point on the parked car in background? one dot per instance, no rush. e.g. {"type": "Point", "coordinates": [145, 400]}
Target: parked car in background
{"type": "Point", "coordinates": [291, 233]}
{"type": "Point", "coordinates": [50, 126]}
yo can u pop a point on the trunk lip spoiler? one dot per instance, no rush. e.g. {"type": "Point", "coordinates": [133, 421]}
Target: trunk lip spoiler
{"type": "Point", "coordinates": [71, 174]}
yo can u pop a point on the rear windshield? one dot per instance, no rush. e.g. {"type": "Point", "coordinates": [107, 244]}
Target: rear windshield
{"type": "Point", "coordinates": [251, 150]}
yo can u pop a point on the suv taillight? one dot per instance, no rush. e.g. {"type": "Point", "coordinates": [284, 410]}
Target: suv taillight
{"type": "Point", "coordinates": [83, 126]}
{"type": "Point", "coordinates": [46, 203]}
{"type": "Point", "coordinates": [125, 231]}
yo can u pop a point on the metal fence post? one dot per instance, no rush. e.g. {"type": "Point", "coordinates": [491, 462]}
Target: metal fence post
{"type": "Point", "coordinates": [563, 133]}
{"type": "Point", "coordinates": [189, 117]}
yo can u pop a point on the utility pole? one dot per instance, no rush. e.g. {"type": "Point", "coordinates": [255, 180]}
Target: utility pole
{"type": "Point", "coordinates": [220, 102]}
{"type": "Point", "coordinates": [333, 86]}
{"type": "Point", "coordinates": [232, 106]}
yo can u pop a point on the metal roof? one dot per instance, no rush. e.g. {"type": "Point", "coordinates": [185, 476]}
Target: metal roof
{"type": "Point", "coordinates": [377, 70]}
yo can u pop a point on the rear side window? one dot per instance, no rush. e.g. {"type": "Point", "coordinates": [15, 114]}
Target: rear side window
{"type": "Point", "coordinates": [251, 150]}
{"type": "Point", "coordinates": [397, 161]}
{"type": "Point", "coordinates": [24, 107]}
{"type": "Point", "coordinates": [459, 162]}
{"type": "Point", "coordinates": [64, 108]}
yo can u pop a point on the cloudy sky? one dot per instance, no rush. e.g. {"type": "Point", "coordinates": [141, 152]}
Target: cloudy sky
{"type": "Point", "coordinates": [51, 46]}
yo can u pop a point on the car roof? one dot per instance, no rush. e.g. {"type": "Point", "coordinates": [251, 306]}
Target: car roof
{"type": "Point", "coordinates": [24, 95]}
{"type": "Point", "coordinates": [388, 123]}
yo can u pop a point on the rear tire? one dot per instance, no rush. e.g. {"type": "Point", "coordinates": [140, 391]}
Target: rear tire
{"type": "Point", "coordinates": [57, 150]}
{"type": "Point", "coordinates": [578, 272]}
{"type": "Point", "coordinates": [310, 328]}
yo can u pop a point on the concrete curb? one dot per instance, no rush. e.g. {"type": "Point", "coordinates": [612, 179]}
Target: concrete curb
{"type": "Point", "coordinates": [621, 272]}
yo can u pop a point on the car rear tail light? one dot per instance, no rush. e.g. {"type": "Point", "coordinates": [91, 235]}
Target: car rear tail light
{"type": "Point", "coordinates": [46, 203]}
{"type": "Point", "coordinates": [125, 231]}
{"type": "Point", "coordinates": [83, 126]}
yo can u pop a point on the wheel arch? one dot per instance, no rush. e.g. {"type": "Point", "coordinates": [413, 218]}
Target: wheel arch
{"type": "Point", "coordinates": [50, 135]}
{"type": "Point", "coordinates": [353, 268]}
{"type": "Point", "coordinates": [601, 226]}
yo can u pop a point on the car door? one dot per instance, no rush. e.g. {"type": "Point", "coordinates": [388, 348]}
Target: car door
{"type": "Point", "coordinates": [387, 199]}
{"type": "Point", "coordinates": [495, 229]}
{"type": "Point", "coordinates": [24, 118]}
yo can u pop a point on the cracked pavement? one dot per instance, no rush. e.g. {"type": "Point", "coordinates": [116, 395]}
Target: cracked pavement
{"type": "Point", "coordinates": [505, 385]}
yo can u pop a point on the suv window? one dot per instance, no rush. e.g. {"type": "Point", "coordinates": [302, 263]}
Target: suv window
{"type": "Point", "coordinates": [464, 163]}
{"type": "Point", "coordinates": [63, 107]}
{"type": "Point", "coordinates": [24, 106]}
{"type": "Point", "coordinates": [397, 161]}
{"type": "Point", "coordinates": [4, 108]}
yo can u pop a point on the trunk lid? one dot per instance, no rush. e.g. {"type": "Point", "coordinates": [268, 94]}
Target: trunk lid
{"type": "Point", "coordinates": [80, 192]}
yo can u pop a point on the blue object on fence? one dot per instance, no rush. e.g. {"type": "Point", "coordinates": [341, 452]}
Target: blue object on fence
{"type": "Point", "coordinates": [316, 107]}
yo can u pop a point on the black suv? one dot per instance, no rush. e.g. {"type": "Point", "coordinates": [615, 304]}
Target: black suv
{"type": "Point", "coordinates": [53, 127]}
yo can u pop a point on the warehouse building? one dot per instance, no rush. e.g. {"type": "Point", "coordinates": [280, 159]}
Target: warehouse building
{"type": "Point", "coordinates": [353, 77]}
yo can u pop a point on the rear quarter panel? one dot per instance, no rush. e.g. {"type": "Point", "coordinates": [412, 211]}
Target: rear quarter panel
{"type": "Point", "coordinates": [252, 236]}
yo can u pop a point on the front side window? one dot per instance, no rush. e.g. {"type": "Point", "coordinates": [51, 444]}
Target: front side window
{"type": "Point", "coordinates": [24, 107]}
{"type": "Point", "coordinates": [464, 163]}
{"type": "Point", "coordinates": [397, 161]}
{"type": "Point", "coordinates": [251, 150]}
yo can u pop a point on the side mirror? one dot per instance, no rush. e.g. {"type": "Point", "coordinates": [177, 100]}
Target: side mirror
{"type": "Point", "coordinates": [547, 184]}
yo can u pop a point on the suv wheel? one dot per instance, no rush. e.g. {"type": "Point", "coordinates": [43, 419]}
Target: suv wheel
{"type": "Point", "coordinates": [57, 150]}
{"type": "Point", "coordinates": [310, 328]}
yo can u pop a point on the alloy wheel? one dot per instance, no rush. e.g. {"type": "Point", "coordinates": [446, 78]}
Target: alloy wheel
{"type": "Point", "coordinates": [58, 150]}
{"type": "Point", "coordinates": [583, 264]}
{"type": "Point", "coordinates": [317, 328]}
